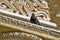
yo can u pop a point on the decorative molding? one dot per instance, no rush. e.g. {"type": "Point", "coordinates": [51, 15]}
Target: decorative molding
{"type": "Point", "coordinates": [30, 26]}
{"type": "Point", "coordinates": [45, 23]}
{"type": "Point", "coordinates": [15, 8]}
{"type": "Point", "coordinates": [18, 36]}
{"type": "Point", "coordinates": [28, 7]}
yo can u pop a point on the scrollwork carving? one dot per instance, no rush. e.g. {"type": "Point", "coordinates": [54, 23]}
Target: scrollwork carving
{"type": "Point", "coordinates": [27, 7]}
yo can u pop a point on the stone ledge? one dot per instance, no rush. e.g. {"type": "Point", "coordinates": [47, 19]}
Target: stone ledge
{"type": "Point", "coordinates": [9, 23]}
{"type": "Point", "coordinates": [50, 24]}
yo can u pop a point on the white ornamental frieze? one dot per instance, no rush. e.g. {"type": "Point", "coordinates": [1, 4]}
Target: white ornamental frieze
{"type": "Point", "coordinates": [27, 7]}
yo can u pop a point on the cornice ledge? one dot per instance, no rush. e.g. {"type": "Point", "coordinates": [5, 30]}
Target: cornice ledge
{"type": "Point", "coordinates": [29, 27]}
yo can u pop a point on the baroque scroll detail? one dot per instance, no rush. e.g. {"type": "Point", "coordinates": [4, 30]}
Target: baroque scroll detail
{"type": "Point", "coordinates": [27, 7]}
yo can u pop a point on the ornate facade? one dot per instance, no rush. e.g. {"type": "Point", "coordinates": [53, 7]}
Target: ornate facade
{"type": "Point", "coordinates": [15, 14]}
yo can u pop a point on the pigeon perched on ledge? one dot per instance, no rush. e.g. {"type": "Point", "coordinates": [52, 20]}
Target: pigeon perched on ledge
{"type": "Point", "coordinates": [34, 19]}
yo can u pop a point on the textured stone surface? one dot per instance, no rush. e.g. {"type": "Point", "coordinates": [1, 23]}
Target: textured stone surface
{"type": "Point", "coordinates": [18, 36]}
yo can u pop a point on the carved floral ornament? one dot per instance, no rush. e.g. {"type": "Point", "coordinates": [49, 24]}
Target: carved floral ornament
{"type": "Point", "coordinates": [18, 36]}
{"type": "Point", "coordinates": [27, 7]}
